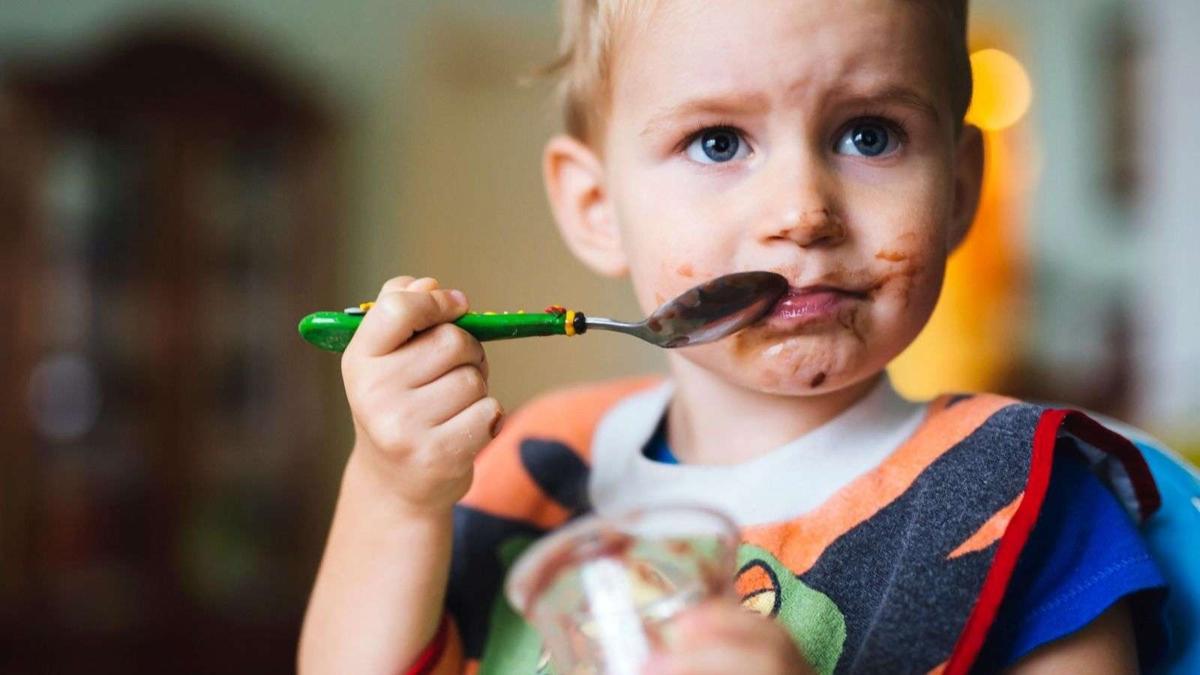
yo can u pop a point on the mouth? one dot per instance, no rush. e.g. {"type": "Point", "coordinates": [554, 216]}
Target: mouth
{"type": "Point", "coordinates": [812, 305]}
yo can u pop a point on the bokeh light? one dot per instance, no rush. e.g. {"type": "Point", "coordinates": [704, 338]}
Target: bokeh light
{"type": "Point", "coordinates": [1003, 91]}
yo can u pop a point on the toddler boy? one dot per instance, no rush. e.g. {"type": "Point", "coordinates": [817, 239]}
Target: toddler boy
{"type": "Point", "coordinates": [823, 140]}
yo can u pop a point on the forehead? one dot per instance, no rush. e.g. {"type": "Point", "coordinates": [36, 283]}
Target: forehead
{"type": "Point", "coordinates": [794, 49]}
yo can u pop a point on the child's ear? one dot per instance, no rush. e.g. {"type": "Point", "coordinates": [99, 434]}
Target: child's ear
{"type": "Point", "coordinates": [968, 182]}
{"type": "Point", "coordinates": [574, 178]}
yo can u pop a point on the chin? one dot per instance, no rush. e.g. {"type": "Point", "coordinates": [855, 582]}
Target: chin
{"type": "Point", "coordinates": [787, 365]}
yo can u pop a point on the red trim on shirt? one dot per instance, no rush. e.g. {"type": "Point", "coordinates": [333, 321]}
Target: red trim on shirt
{"type": "Point", "coordinates": [1045, 437]}
{"type": "Point", "coordinates": [428, 659]}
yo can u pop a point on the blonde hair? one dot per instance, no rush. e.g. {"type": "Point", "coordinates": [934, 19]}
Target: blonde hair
{"type": "Point", "coordinates": [590, 31]}
{"type": "Point", "coordinates": [592, 28]}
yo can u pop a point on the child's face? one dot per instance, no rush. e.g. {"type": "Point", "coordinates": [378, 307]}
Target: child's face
{"type": "Point", "coordinates": [814, 138]}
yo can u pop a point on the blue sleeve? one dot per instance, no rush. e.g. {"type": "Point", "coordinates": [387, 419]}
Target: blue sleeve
{"type": "Point", "coordinates": [1083, 555]}
{"type": "Point", "coordinates": [1171, 535]}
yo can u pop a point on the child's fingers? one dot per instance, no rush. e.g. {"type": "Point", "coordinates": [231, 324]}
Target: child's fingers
{"type": "Point", "coordinates": [396, 317]}
{"type": "Point", "coordinates": [408, 284]}
{"type": "Point", "coordinates": [716, 622]}
{"type": "Point", "coordinates": [396, 285]}
{"type": "Point", "coordinates": [714, 659]}
{"type": "Point", "coordinates": [713, 618]}
{"type": "Point", "coordinates": [423, 285]}
{"type": "Point", "coordinates": [437, 351]}
{"type": "Point", "coordinates": [472, 428]}
{"type": "Point", "coordinates": [699, 623]}
{"type": "Point", "coordinates": [720, 628]}
{"type": "Point", "coordinates": [450, 394]}
{"type": "Point", "coordinates": [411, 284]}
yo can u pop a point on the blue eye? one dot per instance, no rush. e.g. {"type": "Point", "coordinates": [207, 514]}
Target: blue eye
{"type": "Point", "coordinates": [867, 139]}
{"type": "Point", "coordinates": [716, 146]}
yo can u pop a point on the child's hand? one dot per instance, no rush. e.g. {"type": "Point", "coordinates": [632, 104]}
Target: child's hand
{"type": "Point", "coordinates": [417, 387]}
{"type": "Point", "coordinates": [721, 637]}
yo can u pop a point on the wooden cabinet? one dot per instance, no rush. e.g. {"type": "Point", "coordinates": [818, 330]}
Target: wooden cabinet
{"type": "Point", "coordinates": [170, 211]}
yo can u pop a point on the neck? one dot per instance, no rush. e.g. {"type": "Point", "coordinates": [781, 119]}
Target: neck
{"type": "Point", "coordinates": [712, 421]}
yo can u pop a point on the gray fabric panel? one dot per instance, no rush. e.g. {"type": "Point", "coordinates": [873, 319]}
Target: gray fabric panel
{"type": "Point", "coordinates": [905, 604]}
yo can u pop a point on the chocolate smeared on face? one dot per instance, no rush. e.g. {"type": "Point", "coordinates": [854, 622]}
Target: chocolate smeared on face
{"type": "Point", "coordinates": [849, 320]}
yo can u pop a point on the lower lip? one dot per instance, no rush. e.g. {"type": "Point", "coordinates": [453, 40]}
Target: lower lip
{"type": "Point", "coordinates": [801, 308]}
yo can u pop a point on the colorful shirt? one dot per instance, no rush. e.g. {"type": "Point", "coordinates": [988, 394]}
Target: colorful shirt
{"type": "Point", "coordinates": [1084, 555]}
{"type": "Point", "coordinates": [884, 542]}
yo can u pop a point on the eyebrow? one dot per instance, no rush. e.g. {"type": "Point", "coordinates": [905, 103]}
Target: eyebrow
{"type": "Point", "coordinates": [896, 95]}
{"type": "Point", "coordinates": [728, 104]}
{"type": "Point", "coordinates": [742, 103]}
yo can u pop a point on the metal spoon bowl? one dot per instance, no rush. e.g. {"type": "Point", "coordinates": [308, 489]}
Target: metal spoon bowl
{"type": "Point", "coordinates": [713, 310]}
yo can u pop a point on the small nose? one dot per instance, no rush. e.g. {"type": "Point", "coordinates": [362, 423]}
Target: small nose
{"type": "Point", "coordinates": [803, 199]}
{"type": "Point", "coordinates": [812, 228]}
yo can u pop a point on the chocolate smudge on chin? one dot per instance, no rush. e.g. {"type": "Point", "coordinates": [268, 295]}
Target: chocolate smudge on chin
{"type": "Point", "coordinates": [846, 318]}
{"type": "Point", "coordinates": [747, 342]}
{"type": "Point", "coordinates": [817, 381]}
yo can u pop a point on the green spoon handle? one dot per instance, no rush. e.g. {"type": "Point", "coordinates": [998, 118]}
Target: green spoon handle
{"type": "Point", "coordinates": [332, 331]}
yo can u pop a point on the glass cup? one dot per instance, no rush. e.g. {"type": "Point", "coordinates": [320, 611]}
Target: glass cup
{"type": "Point", "coordinates": [601, 591]}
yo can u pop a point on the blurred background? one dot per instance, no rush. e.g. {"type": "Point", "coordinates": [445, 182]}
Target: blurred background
{"type": "Point", "coordinates": [182, 180]}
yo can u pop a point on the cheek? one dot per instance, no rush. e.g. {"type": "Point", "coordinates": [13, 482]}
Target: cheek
{"type": "Point", "coordinates": [910, 272]}
{"type": "Point", "coordinates": [669, 254]}
{"type": "Point", "coordinates": [903, 243]}
{"type": "Point", "coordinates": [673, 274]}
{"type": "Point", "coordinates": [645, 249]}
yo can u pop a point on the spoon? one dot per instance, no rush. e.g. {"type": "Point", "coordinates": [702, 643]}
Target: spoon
{"type": "Point", "coordinates": [713, 310]}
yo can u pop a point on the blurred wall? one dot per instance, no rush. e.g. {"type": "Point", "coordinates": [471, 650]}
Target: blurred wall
{"type": "Point", "coordinates": [1167, 296]}
{"type": "Point", "coordinates": [472, 209]}
{"type": "Point", "coordinates": [354, 56]}
{"type": "Point", "coordinates": [1071, 221]}
{"type": "Point", "coordinates": [441, 150]}
{"type": "Point", "coordinates": [1111, 229]}
{"type": "Point", "coordinates": [437, 155]}
{"type": "Point", "coordinates": [1078, 233]}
